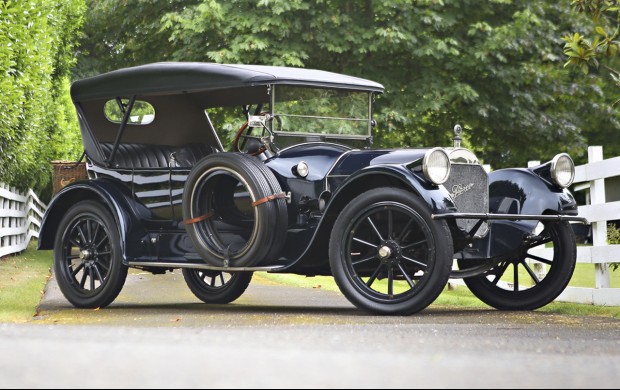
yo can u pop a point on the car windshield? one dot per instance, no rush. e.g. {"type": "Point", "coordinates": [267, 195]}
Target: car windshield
{"type": "Point", "coordinates": [332, 113]}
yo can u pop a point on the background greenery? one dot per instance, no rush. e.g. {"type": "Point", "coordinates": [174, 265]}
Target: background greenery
{"type": "Point", "coordinates": [37, 119]}
{"type": "Point", "coordinates": [494, 66]}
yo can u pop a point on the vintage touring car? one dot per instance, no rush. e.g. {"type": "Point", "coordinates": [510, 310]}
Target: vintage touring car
{"type": "Point", "coordinates": [302, 191]}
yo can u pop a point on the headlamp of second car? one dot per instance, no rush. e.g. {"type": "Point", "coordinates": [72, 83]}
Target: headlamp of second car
{"type": "Point", "coordinates": [563, 170]}
{"type": "Point", "coordinates": [436, 166]}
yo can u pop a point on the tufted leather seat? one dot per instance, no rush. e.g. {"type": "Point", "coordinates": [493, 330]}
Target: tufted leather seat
{"type": "Point", "coordinates": [155, 156]}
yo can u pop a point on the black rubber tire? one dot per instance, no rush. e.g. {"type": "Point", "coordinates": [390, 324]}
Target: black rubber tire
{"type": "Point", "coordinates": [209, 292]}
{"type": "Point", "coordinates": [422, 236]}
{"type": "Point", "coordinates": [88, 229]}
{"type": "Point", "coordinates": [210, 190]}
{"type": "Point", "coordinates": [542, 293]}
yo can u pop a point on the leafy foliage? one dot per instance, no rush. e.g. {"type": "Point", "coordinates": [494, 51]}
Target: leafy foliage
{"type": "Point", "coordinates": [595, 52]}
{"type": "Point", "coordinates": [122, 33]}
{"type": "Point", "coordinates": [583, 52]}
{"type": "Point", "coordinates": [495, 66]}
{"type": "Point", "coordinates": [37, 119]}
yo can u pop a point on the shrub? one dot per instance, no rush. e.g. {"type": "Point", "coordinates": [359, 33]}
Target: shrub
{"type": "Point", "coordinates": [37, 41]}
{"type": "Point", "coordinates": [613, 237]}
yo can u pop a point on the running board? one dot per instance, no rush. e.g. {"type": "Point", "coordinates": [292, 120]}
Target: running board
{"type": "Point", "coordinates": [203, 266]}
{"type": "Point", "coordinates": [510, 217]}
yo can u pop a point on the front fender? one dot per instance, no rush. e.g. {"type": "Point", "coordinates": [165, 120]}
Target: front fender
{"type": "Point", "coordinates": [531, 193]}
{"type": "Point", "coordinates": [119, 203]}
{"type": "Point", "coordinates": [314, 259]}
{"type": "Point", "coordinates": [437, 198]}
{"type": "Point", "coordinates": [518, 191]}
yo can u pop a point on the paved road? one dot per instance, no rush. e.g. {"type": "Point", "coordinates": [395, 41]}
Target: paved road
{"type": "Point", "coordinates": [157, 335]}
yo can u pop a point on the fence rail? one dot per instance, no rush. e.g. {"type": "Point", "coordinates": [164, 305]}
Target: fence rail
{"type": "Point", "coordinates": [599, 212]}
{"type": "Point", "coordinates": [20, 219]}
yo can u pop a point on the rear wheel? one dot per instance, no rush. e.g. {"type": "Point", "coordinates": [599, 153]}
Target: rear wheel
{"type": "Point", "coordinates": [87, 256]}
{"type": "Point", "coordinates": [532, 277]}
{"type": "Point", "coordinates": [216, 287]}
{"type": "Point", "coordinates": [387, 254]}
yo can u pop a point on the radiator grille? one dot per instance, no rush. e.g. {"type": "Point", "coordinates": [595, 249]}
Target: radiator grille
{"type": "Point", "coordinates": [469, 188]}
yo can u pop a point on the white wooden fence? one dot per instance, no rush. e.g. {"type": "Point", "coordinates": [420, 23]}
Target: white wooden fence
{"type": "Point", "coordinates": [20, 219]}
{"type": "Point", "coordinates": [598, 212]}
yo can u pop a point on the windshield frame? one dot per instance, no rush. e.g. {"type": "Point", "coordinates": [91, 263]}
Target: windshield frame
{"type": "Point", "coordinates": [369, 120]}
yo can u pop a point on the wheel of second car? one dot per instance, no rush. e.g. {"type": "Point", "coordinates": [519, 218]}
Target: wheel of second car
{"type": "Point", "coordinates": [387, 254]}
{"type": "Point", "coordinates": [87, 256]}
{"type": "Point", "coordinates": [217, 287]}
{"type": "Point", "coordinates": [534, 275]}
{"type": "Point", "coordinates": [234, 211]}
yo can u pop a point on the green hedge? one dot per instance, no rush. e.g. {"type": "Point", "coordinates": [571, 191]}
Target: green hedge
{"type": "Point", "coordinates": [37, 120]}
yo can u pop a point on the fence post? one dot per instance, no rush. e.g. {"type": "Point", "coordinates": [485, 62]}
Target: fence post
{"type": "Point", "coordinates": [599, 229]}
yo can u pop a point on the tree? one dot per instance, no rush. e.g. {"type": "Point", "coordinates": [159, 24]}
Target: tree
{"type": "Point", "coordinates": [491, 65]}
{"type": "Point", "coordinates": [36, 54]}
{"type": "Point", "coordinates": [123, 33]}
{"type": "Point", "coordinates": [584, 52]}
{"type": "Point", "coordinates": [494, 66]}
{"type": "Point", "coordinates": [596, 54]}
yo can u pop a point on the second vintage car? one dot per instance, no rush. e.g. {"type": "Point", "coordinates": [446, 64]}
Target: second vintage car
{"type": "Point", "coordinates": [301, 191]}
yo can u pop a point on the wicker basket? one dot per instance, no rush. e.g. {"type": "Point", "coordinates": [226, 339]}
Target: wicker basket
{"type": "Point", "coordinates": [66, 172]}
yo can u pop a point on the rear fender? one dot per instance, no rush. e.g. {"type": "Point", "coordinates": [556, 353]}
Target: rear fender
{"type": "Point", "coordinates": [120, 204]}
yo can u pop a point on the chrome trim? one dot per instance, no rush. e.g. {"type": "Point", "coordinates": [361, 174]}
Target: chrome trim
{"type": "Point", "coordinates": [311, 143]}
{"type": "Point", "coordinates": [302, 169]}
{"type": "Point", "coordinates": [324, 117]}
{"type": "Point", "coordinates": [203, 266]}
{"type": "Point", "coordinates": [462, 156]}
{"type": "Point", "coordinates": [425, 165]}
{"type": "Point", "coordinates": [326, 136]}
{"type": "Point", "coordinates": [554, 165]}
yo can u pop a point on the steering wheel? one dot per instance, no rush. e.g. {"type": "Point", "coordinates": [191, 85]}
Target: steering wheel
{"type": "Point", "coordinates": [240, 134]}
{"type": "Point", "coordinates": [243, 133]}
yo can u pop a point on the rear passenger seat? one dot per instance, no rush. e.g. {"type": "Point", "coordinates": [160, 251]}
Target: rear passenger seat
{"type": "Point", "coordinates": [155, 156]}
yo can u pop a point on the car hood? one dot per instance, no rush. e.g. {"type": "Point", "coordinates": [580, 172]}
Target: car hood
{"type": "Point", "coordinates": [355, 160]}
{"type": "Point", "coordinates": [330, 159]}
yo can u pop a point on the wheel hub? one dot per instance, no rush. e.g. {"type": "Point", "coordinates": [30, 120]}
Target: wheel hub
{"type": "Point", "coordinates": [85, 255]}
{"type": "Point", "coordinates": [390, 252]}
{"type": "Point", "coordinates": [385, 252]}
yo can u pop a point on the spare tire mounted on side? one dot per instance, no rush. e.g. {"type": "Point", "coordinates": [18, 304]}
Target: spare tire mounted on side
{"type": "Point", "coordinates": [234, 211]}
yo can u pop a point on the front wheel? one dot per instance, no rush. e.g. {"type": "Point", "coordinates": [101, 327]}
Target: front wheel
{"type": "Point", "coordinates": [387, 254]}
{"type": "Point", "coordinates": [216, 287]}
{"type": "Point", "coordinates": [534, 276]}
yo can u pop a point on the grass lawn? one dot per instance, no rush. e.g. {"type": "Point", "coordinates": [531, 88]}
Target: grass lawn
{"type": "Point", "coordinates": [22, 280]}
{"type": "Point", "coordinates": [584, 277]}
{"type": "Point", "coordinates": [461, 297]}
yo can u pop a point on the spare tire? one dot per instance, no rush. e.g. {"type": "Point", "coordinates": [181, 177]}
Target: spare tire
{"type": "Point", "coordinates": [234, 211]}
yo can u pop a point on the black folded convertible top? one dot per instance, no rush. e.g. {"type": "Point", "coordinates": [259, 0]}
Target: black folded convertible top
{"type": "Point", "coordinates": [178, 77]}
